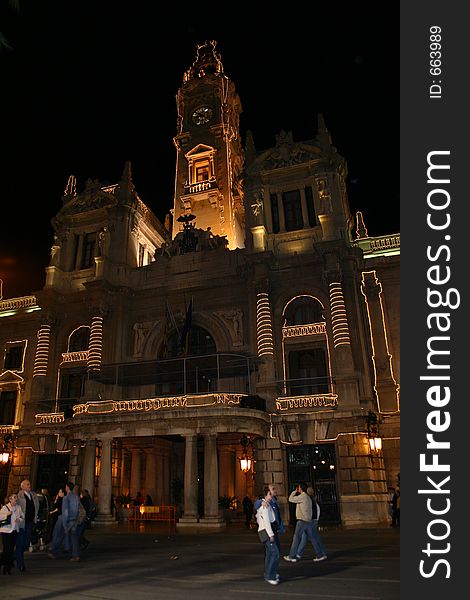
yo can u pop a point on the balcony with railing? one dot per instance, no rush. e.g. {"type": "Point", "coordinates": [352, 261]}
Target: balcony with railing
{"type": "Point", "coordinates": [385, 245]}
{"type": "Point", "coordinates": [194, 382]}
{"type": "Point", "coordinates": [306, 393]}
{"type": "Point", "coordinates": [200, 186]}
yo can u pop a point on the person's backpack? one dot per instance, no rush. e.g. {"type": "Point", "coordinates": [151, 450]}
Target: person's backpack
{"type": "Point", "coordinates": [82, 516]}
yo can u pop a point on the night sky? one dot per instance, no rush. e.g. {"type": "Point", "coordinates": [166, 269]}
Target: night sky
{"type": "Point", "coordinates": [89, 85]}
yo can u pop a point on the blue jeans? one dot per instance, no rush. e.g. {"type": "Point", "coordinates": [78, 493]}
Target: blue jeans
{"type": "Point", "coordinates": [23, 540]}
{"type": "Point", "coordinates": [317, 541]}
{"type": "Point", "coordinates": [271, 560]}
{"type": "Point", "coordinates": [310, 531]}
{"type": "Point", "coordinates": [60, 536]}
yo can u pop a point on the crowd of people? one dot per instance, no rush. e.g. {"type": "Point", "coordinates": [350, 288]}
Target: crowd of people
{"type": "Point", "coordinates": [58, 524]}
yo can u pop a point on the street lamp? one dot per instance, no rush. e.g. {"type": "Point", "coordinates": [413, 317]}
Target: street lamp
{"type": "Point", "coordinates": [246, 460]}
{"type": "Point", "coordinates": [375, 440]}
{"type": "Point", "coordinates": [6, 450]}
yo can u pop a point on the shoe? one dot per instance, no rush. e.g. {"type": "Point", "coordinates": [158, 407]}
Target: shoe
{"type": "Point", "coordinates": [75, 559]}
{"type": "Point", "coordinates": [298, 557]}
{"type": "Point", "coordinates": [272, 581]}
{"type": "Point", "coordinates": [278, 577]}
{"type": "Point", "coordinates": [50, 555]}
{"type": "Point", "coordinates": [319, 558]}
{"type": "Point", "coordinates": [289, 559]}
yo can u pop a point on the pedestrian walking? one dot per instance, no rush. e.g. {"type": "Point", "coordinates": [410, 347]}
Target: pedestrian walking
{"type": "Point", "coordinates": [265, 517]}
{"type": "Point", "coordinates": [67, 524]}
{"type": "Point", "coordinates": [11, 517]}
{"type": "Point", "coordinates": [304, 515]}
{"type": "Point", "coordinates": [29, 503]}
{"type": "Point", "coordinates": [318, 542]}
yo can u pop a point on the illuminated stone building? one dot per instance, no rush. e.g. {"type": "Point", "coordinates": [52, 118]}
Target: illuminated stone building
{"type": "Point", "coordinates": [262, 322]}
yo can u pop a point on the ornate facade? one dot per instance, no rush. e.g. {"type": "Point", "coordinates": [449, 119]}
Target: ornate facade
{"type": "Point", "coordinates": [261, 311]}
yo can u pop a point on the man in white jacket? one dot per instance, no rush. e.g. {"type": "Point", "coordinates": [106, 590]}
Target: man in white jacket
{"type": "Point", "coordinates": [304, 515]}
{"type": "Point", "coordinates": [265, 517]}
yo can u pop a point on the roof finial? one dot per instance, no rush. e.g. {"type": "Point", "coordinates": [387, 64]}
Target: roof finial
{"type": "Point", "coordinates": [126, 178]}
{"type": "Point", "coordinates": [323, 135]}
{"type": "Point", "coordinates": [207, 61]}
{"type": "Point", "coordinates": [71, 187]}
{"type": "Point", "coordinates": [361, 230]}
{"type": "Point", "coordinates": [250, 150]}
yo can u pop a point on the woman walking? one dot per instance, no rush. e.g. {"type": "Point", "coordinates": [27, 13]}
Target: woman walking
{"type": "Point", "coordinates": [11, 516]}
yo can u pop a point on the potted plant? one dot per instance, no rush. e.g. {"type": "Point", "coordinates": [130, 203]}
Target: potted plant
{"type": "Point", "coordinates": [228, 505]}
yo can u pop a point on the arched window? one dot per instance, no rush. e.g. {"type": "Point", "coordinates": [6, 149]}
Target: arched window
{"type": "Point", "coordinates": [200, 342]}
{"type": "Point", "coordinates": [303, 310]}
{"type": "Point", "coordinates": [79, 339]}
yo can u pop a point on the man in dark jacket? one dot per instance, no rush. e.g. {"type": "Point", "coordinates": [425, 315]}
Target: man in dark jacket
{"type": "Point", "coordinates": [29, 503]}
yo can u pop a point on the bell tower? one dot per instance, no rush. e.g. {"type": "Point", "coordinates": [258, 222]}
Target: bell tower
{"type": "Point", "coordinates": [209, 162]}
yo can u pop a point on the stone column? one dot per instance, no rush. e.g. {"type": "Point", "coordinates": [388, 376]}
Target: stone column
{"type": "Point", "coordinates": [159, 478]}
{"type": "Point", "coordinates": [166, 478]}
{"type": "Point", "coordinates": [190, 480]}
{"type": "Point", "coordinates": [123, 483]}
{"type": "Point", "coordinates": [88, 472]}
{"type": "Point", "coordinates": [135, 472]}
{"type": "Point", "coordinates": [211, 482]}
{"type": "Point", "coordinates": [105, 484]}
{"type": "Point", "coordinates": [151, 475]}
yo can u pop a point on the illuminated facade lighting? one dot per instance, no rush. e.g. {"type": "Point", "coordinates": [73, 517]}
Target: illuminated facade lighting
{"type": "Point", "coordinates": [42, 351]}
{"type": "Point", "coordinates": [339, 318]}
{"type": "Point", "coordinates": [96, 344]}
{"type": "Point", "coordinates": [264, 325]}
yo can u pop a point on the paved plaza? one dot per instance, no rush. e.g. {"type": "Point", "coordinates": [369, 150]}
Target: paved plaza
{"type": "Point", "coordinates": [127, 563]}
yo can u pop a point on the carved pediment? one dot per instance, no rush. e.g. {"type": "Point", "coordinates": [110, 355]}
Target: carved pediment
{"type": "Point", "coordinates": [10, 378]}
{"type": "Point", "coordinates": [285, 153]}
{"type": "Point", "coordinates": [199, 149]}
{"type": "Point", "coordinates": [92, 198]}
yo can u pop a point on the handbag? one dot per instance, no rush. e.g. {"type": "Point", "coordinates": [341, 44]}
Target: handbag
{"type": "Point", "coordinates": [6, 521]}
{"type": "Point", "coordinates": [263, 535]}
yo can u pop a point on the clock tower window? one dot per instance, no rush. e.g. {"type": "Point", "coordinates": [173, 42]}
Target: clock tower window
{"type": "Point", "coordinates": [202, 171]}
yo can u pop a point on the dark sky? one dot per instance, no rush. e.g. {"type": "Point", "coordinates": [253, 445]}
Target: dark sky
{"type": "Point", "coordinates": [88, 85]}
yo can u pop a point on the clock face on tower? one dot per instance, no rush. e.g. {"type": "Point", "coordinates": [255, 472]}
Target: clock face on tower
{"type": "Point", "coordinates": [202, 115]}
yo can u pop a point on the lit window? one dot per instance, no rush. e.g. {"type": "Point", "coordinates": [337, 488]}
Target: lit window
{"type": "Point", "coordinates": [202, 171]}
